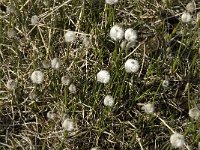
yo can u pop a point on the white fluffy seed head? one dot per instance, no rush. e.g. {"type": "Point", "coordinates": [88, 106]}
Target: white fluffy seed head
{"type": "Point", "coordinates": [130, 35]}
{"type": "Point", "coordinates": [132, 66]}
{"type": "Point", "coordinates": [51, 115]}
{"type": "Point", "coordinates": [70, 36]}
{"type": "Point", "coordinates": [177, 140]}
{"type": "Point", "coordinates": [186, 17]}
{"type": "Point", "coordinates": [148, 108]}
{"type": "Point", "coordinates": [46, 64]}
{"type": "Point", "coordinates": [55, 63]}
{"type": "Point", "coordinates": [72, 88]}
{"type": "Point", "coordinates": [37, 77]}
{"type": "Point", "coordinates": [116, 32]}
{"type": "Point", "coordinates": [109, 101]}
{"type": "Point", "coordinates": [66, 80]}
{"type": "Point", "coordinates": [190, 7]}
{"type": "Point", "coordinates": [103, 76]}
{"type": "Point", "coordinates": [11, 85]}
{"type": "Point", "coordinates": [110, 2]}
{"type": "Point", "coordinates": [34, 20]}
{"type": "Point", "coordinates": [165, 83]}
{"type": "Point", "coordinates": [11, 33]}
{"type": "Point", "coordinates": [68, 124]}
{"type": "Point", "coordinates": [194, 113]}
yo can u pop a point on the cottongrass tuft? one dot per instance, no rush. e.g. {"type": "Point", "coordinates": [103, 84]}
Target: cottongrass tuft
{"type": "Point", "coordinates": [165, 83]}
{"type": "Point", "coordinates": [11, 85]}
{"type": "Point", "coordinates": [68, 124]}
{"type": "Point", "coordinates": [55, 63]}
{"type": "Point", "coordinates": [70, 36]}
{"type": "Point", "coordinates": [46, 64]}
{"type": "Point", "coordinates": [194, 113]}
{"type": "Point", "coordinates": [51, 115]}
{"type": "Point", "coordinates": [103, 76]}
{"type": "Point", "coordinates": [11, 33]}
{"type": "Point", "coordinates": [186, 17]}
{"type": "Point", "coordinates": [130, 35]}
{"type": "Point", "coordinates": [148, 108]}
{"type": "Point", "coordinates": [109, 101]}
{"type": "Point", "coordinates": [110, 2]}
{"type": "Point", "coordinates": [116, 33]}
{"type": "Point", "coordinates": [66, 80]}
{"type": "Point", "coordinates": [177, 140]}
{"type": "Point", "coordinates": [34, 20]}
{"type": "Point", "coordinates": [190, 7]}
{"type": "Point", "coordinates": [37, 77]}
{"type": "Point", "coordinates": [72, 88]}
{"type": "Point", "coordinates": [132, 66]}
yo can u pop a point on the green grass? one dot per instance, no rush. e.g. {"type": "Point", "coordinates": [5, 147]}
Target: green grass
{"type": "Point", "coordinates": [125, 126]}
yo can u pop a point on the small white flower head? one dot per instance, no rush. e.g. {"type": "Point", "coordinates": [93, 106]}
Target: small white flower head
{"type": "Point", "coordinates": [10, 9]}
{"type": "Point", "coordinates": [68, 124]}
{"type": "Point", "coordinates": [177, 140]}
{"type": "Point", "coordinates": [46, 64]}
{"type": "Point", "coordinates": [32, 95]}
{"type": "Point", "coordinates": [110, 2]}
{"type": "Point", "coordinates": [186, 17]}
{"type": "Point", "coordinates": [51, 115]}
{"type": "Point", "coordinates": [116, 32]}
{"type": "Point", "coordinates": [194, 113]}
{"type": "Point", "coordinates": [132, 66]}
{"type": "Point", "coordinates": [130, 35]}
{"type": "Point", "coordinates": [37, 77]}
{"type": "Point", "coordinates": [11, 85]}
{"type": "Point", "coordinates": [165, 83]}
{"type": "Point", "coordinates": [11, 33]}
{"type": "Point", "coordinates": [70, 36]}
{"type": "Point", "coordinates": [72, 88]}
{"type": "Point", "coordinates": [86, 40]}
{"type": "Point", "coordinates": [148, 108]}
{"type": "Point", "coordinates": [190, 7]}
{"type": "Point", "coordinates": [103, 76]}
{"type": "Point", "coordinates": [55, 63]}
{"type": "Point", "coordinates": [66, 80]}
{"type": "Point", "coordinates": [109, 101]}
{"type": "Point", "coordinates": [34, 20]}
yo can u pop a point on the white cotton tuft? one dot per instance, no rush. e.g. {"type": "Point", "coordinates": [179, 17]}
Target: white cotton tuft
{"type": "Point", "coordinates": [116, 32]}
{"type": "Point", "coordinates": [165, 83]}
{"type": "Point", "coordinates": [194, 113]}
{"type": "Point", "coordinates": [70, 36]}
{"type": "Point", "coordinates": [66, 80]}
{"type": "Point", "coordinates": [190, 7]}
{"type": "Point", "coordinates": [37, 77]}
{"type": "Point", "coordinates": [186, 17]}
{"type": "Point", "coordinates": [108, 101]}
{"type": "Point", "coordinates": [110, 2]}
{"type": "Point", "coordinates": [132, 66]}
{"type": "Point", "coordinates": [130, 35]}
{"type": "Point", "coordinates": [72, 88]}
{"type": "Point", "coordinates": [11, 85]}
{"type": "Point", "coordinates": [103, 76]}
{"type": "Point", "coordinates": [177, 140]}
{"type": "Point", "coordinates": [34, 20]}
{"type": "Point", "coordinates": [148, 108]}
{"type": "Point", "coordinates": [55, 63]}
{"type": "Point", "coordinates": [68, 124]}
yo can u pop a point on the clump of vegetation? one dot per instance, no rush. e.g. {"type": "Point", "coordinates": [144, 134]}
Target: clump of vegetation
{"type": "Point", "coordinates": [99, 74]}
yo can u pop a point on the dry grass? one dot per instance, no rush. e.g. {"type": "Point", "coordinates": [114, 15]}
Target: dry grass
{"type": "Point", "coordinates": [167, 49]}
